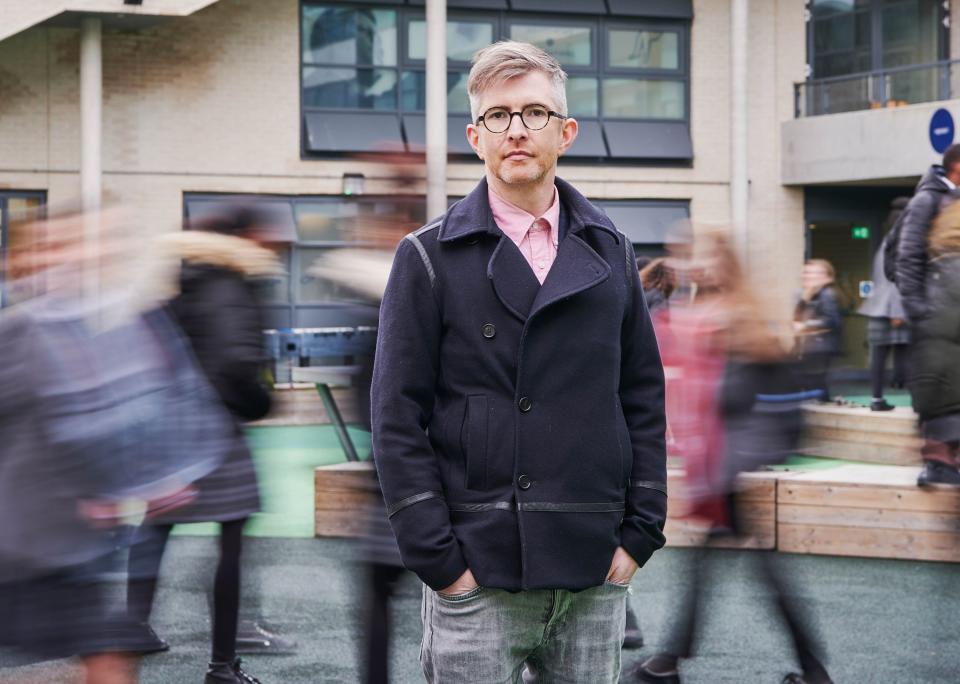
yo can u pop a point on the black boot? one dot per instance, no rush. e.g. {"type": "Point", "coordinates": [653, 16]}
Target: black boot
{"type": "Point", "coordinates": [935, 472]}
{"type": "Point", "coordinates": [632, 636]}
{"type": "Point", "coordinates": [228, 673]}
{"type": "Point", "coordinates": [881, 405]}
{"type": "Point", "coordinates": [147, 640]}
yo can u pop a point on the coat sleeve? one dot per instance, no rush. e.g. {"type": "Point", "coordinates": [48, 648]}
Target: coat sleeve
{"type": "Point", "coordinates": [642, 400]}
{"type": "Point", "coordinates": [405, 374]}
{"type": "Point", "coordinates": [912, 253]}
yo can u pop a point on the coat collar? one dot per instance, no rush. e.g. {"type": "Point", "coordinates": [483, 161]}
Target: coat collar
{"type": "Point", "coordinates": [471, 216]}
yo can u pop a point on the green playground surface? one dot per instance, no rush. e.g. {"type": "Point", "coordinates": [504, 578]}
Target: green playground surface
{"type": "Point", "coordinates": [285, 458]}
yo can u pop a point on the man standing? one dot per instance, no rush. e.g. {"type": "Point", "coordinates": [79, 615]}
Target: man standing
{"type": "Point", "coordinates": [518, 419]}
{"type": "Point", "coordinates": [935, 190]}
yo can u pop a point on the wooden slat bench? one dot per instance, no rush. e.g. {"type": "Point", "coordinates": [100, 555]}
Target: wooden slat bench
{"type": "Point", "coordinates": [870, 511]}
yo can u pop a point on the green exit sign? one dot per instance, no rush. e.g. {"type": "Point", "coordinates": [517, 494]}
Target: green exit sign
{"type": "Point", "coordinates": [860, 232]}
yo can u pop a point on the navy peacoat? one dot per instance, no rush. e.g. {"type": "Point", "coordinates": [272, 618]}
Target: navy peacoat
{"type": "Point", "coordinates": [518, 428]}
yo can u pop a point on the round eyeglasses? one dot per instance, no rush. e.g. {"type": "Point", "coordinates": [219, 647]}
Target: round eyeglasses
{"type": "Point", "coordinates": [534, 117]}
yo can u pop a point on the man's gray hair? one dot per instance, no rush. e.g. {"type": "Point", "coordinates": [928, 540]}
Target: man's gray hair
{"type": "Point", "coordinates": [508, 59]}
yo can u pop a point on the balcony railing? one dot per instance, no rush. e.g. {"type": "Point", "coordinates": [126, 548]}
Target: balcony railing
{"type": "Point", "coordinates": [895, 87]}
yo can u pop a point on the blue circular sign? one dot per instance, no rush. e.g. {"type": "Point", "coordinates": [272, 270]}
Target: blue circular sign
{"type": "Point", "coordinates": [941, 130]}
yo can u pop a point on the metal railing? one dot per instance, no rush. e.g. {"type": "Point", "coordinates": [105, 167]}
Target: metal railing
{"type": "Point", "coordinates": [881, 89]}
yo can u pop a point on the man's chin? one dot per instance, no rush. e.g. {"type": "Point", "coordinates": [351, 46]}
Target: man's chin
{"type": "Point", "coordinates": [521, 176]}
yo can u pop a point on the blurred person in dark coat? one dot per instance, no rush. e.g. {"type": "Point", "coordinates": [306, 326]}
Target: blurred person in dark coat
{"type": "Point", "coordinates": [887, 328]}
{"type": "Point", "coordinates": [818, 324]}
{"type": "Point", "coordinates": [934, 374]}
{"type": "Point", "coordinates": [218, 310]}
{"type": "Point", "coordinates": [90, 425]}
{"type": "Point", "coordinates": [735, 408]}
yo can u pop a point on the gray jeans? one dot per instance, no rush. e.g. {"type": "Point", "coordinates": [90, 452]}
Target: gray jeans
{"type": "Point", "coordinates": [486, 635]}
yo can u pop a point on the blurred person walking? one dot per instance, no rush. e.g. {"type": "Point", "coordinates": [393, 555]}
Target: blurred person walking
{"type": "Point", "coordinates": [517, 403]}
{"type": "Point", "coordinates": [659, 282]}
{"type": "Point", "coordinates": [818, 325]}
{"type": "Point", "coordinates": [98, 403]}
{"type": "Point", "coordinates": [934, 375]}
{"type": "Point", "coordinates": [365, 271]}
{"type": "Point", "coordinates": [218, 309]}
{"type": "Point", "coordinates": [935, 191]}
{"type": "Point", "coordinates": [887, 330]}
{"type": "Point", "coordinates": [734, 408]}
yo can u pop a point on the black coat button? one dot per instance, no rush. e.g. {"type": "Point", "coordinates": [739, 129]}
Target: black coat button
{"type": "Point", "coordinates": [524, 482]}
{"type": "Point", "coordinates": [525, 404]}
{"type": "Point", "coordinates": [489, 330]}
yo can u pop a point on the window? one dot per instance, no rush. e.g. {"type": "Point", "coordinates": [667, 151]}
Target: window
{"type": "Point", "coordinates": [364, 73]}
{"type": "Point", "coordinates": [318, 225]}
{"type": "Point", "coordinates": [854, 36]}
{"type": "Point", "coordinates": [15, 205]}
{"type": "Point", "coordinates": [650, 224]}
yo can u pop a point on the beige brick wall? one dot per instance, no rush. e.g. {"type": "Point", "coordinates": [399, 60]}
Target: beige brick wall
{"type": "Point", "coordinates": [210, 103]}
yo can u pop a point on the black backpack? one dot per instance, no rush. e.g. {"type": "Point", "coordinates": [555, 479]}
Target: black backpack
{"type": "Point", "coordinates": [891, 245]}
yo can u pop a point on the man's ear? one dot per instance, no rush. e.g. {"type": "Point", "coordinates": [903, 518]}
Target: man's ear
{"type": "Point", "coordinates": [473, 137]}
{"type": "Point", "coordinates": [568, 133]}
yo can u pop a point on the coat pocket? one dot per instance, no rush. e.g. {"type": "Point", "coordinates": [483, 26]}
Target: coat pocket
{"type": "Point", "coordinates": [476, 447]}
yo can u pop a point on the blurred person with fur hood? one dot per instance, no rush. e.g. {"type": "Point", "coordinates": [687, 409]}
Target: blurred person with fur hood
{"type": "Point", "coordinates": [218, 309]}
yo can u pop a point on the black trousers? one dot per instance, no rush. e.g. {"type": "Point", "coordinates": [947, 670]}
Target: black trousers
{"type": "Point", "coordinates": [375, 649]}
{"type": "Point", "coordinates": [683, 630]}
{"type": "Point", "coordinates": [144, 568]}
{"type": "Point", "coordinates": [878, 364]}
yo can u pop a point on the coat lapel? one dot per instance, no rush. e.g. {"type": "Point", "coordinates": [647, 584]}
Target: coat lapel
{"type": "Point", "coordinates": [513, 280]}
{"type": "Point", "coordinates": [577, 268]}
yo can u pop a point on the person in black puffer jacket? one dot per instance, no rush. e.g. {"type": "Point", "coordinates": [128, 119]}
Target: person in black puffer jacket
{"type": "Point", "coordinates": [935, 190]}
{"type": "Point", "coordinates": [218, 310]}
{"type": "Point", "coordinates": [934, 372]}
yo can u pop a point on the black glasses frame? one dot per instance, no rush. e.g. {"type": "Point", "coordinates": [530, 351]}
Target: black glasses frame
{"type": "Point", "coordinates": [550, 113]}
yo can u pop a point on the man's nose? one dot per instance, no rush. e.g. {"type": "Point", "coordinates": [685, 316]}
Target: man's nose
{"type": "Point", "coordinates": [516, 130]}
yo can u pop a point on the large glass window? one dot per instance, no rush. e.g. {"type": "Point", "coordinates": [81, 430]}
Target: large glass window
{"type": "Point", "coordinates": [854, 36]}
{"type": "Point", "coordinates": [370, 60]}
{"type": "Point", "coordinates": [319, 225]}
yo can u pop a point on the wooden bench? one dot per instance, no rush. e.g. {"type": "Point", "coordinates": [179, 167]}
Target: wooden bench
{"type": "Point", "coordinates": [859, 434]}
{"type": "Point", "coordinates": [869, 511]}
{"type": "Point", "coordinates": [757, 496]}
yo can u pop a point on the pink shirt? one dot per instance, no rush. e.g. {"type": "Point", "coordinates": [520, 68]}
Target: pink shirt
{"type": "Point", "coordinates": [536, 237]}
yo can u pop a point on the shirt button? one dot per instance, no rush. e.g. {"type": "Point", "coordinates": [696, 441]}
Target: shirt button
{"type": "Point", "coordinates": [489, 330]}
{"type": "Point", "coordinates": [525, 404]}
{"type": "Point", "coordinates": [542, 265]}
{"type": "Point", "coordinates": [524, 482]}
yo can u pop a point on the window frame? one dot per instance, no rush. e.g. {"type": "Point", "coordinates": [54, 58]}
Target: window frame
{"type": "Point", "coordinates": [874, 12]}
{"type": "Point", "coordinates": [502, 21]}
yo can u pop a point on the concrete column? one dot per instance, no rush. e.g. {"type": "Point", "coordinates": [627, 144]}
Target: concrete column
{"type": "Point", "coordinates": [739, 175]}
{"type": "Point", "coordinates": [91, 114]}
{"type": "Point", "coordinates": [91, 146]}
{"type": "Point", "coordinates": [436, 108]}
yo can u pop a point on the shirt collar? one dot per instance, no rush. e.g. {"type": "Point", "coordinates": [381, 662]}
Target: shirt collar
{"type": "Point", "coordinates": [949, 183]}
{"type": "Point", "coordinates": [515, 222]}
